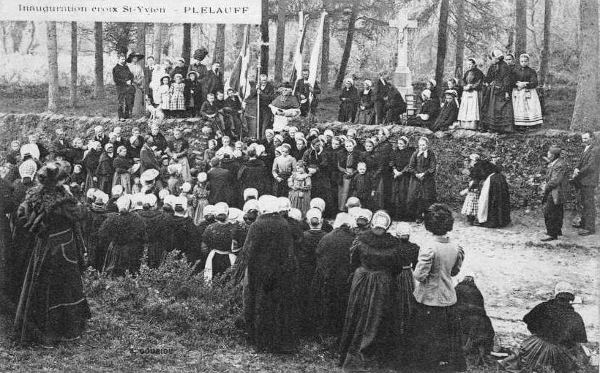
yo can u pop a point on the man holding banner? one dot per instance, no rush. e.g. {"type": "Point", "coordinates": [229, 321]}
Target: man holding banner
{"type": "Point", "coordinates": [266, 93]}
{"type": "Point", "coordinates": [307, 94]}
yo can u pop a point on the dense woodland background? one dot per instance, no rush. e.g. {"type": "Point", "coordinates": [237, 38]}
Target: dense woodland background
{"type": "Point", "coordinates": [561, 37]}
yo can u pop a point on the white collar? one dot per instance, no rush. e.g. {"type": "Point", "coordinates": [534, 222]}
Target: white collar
{"type": "Point", "coordinates": [423, 152]}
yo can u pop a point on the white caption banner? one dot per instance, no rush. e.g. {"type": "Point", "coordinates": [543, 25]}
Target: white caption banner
{"type": "Point", "coordinates": [149, 11]}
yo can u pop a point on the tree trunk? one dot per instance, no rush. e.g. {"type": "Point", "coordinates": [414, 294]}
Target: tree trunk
{"type": "Point", "coordinates": [280, 43]}
{"type": "Point", "coordinates": [546, 46]}
{"type": "Point", "coordinates": [186, 50]}
{"type": "Point", "coordinates": [347, 46]}
{"type": "Point", "coordinates": [52, 68]}
{"type": "Point", "coordinates": [32, 42]}
{"type": "Point", "coordinates": [141, 39]}
{"type": "Point", "coordinates": [73, 87]}
{"type": "Point", "coordinates": [264, 32]}
{"type": "Point", "coordinates": [98, 61]}
{"type": "Point", "coordinates": [325, 50]}
{"type": "Point", "coordinates": [219, 55]}
{"type": "Point", "coordinates": [157, 42]}
{"type": "Point", "coordinates": [587, 101]}
{"type": "Point", "coordinates": [442, 42]}
{"type": "Point", "coordinates": [460, 39]}
{"type": "Point", "coordinates": [17, 34]}
{"type": "Point", "coordinates": [520, 27]}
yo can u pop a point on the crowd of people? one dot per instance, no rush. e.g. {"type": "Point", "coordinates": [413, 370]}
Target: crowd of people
{"type": "Point", "coordinates": [503, 100]}
{"type": "Point", "coordinates": [255, 211]}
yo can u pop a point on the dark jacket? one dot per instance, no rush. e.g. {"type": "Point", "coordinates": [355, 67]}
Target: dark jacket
{"type": "Point", "coordinates": [588, 166]}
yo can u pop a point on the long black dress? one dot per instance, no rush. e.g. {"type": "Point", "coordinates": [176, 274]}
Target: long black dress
{"type": "Point", "coordinates": [557, 331]}
{"type": "Point", "coordinates": [52, 306]}
{"type": "Point", "coordinates": [125, 233]}
{"type": "Point", "coordinates": [421, 193]}
{"type": "Point", "coordinates": [399, 162]}
{"type": "Point", "coordinates": [160, 228]}
{"type": "Point", "coordinates": [330, 287]}
{"type": "Point", "coordinates": [497, 110]}
{"type": "Point", "coordinates": [369, 339]}
{"type": "Point", "coordinates": [307, 261]}
{"type": "Point", "coordinates": [348, 104]}
{"type": "Point", "coordinates": [270, 302]}
{"type": "Point", "coordinates": [7, 206]}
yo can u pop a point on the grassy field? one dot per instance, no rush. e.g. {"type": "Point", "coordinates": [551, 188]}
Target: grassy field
{"type": "Point", "coordinates": [168, 321]}
{"type": "Point", "coordinates": [17, 98]}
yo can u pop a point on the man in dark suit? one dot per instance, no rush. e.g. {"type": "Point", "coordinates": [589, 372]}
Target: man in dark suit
{"type": "Point", "coordinates": [213, 81]}
{"type": "Point", "coordinates": [147, 156]}
{"type": "Point", "coordinates": [303, 92]}
{"type": "Point", "coordinates": [554, 194]}
{"type": "Point", "coordinates": [266, 93]}
{"type": "Point", "coordinates": [61, 146]}
{"type": "Point", "coordinates": [585, 176]}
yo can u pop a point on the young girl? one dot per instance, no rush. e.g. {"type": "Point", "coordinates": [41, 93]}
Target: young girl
{"type": "Point", "coordinates": [211, 151]}
{"type": "Point", "coordinates": [300, 186]}
{"type": "Point", "coordinates": [163, 97]}
{"type": "Point", "coordinates": [122, 165]}
{"type": "Point", "coordinates": [174, 181]}
{"type": "Point", "coordinates": [186, 191]}
{"type": "Point", "coordinates": [193, 94]}
{"type": "Point", "coordinates": [200, 199]}
{"type": "Point", "coordinates": [177, 99]}
{"type": "Point", "coordinates": [136, 187]}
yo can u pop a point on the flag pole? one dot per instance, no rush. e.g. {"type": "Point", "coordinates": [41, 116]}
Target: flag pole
{"type": "Point", "coordinates": [258, 100]}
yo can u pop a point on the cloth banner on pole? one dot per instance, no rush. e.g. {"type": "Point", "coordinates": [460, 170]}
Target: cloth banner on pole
{"type": "Point", "coordinates": [239, 75]}
{"type": "Point", "coordinates": [315, 55]}
{"type": "Point", "coordinates": [298, 54]}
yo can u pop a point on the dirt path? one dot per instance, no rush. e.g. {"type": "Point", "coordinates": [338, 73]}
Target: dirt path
{"type": "Point", "coordinates": [515, 271]}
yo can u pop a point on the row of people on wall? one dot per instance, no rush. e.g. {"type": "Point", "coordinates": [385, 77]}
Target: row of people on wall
{"type": "Point", "coordinates": [503, 100]}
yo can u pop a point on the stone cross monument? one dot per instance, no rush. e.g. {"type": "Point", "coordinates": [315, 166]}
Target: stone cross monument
{"type": "Point", "coordinates": [402, 75]}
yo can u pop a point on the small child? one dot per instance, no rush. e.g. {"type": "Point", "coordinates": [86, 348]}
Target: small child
{"type": "Point", "coordinates": [136, 187]}
{"type": "Point", "coordinates": [200, 197]}
{"type": "Point", "coordinates": [300, 186]}
{"type": "Point", "coordinates": [362, 186]}
{"type": "Point", "coordinates": [211, 151]}
{"type": "Point", "coordinates": [163, 97]}
{"type": "Point", "coordinates": [177, 99]}
{"type": "Point", "coordinates": [193, 94]}
{"type": "Point", "coordinates": [174, 182]}
{"type": "Point", "coordinates": [78, 177]}
{"type": "Point", "coordinates": [186, 191]}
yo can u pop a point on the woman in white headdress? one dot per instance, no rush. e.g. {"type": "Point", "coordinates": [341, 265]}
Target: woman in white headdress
{"type": "Point", "coordinates": [366, 102]}
{"type": "Point", "coordinates": [468, 113]}
{"type": "Point", "coordinates": [496, 110]}
{"type": "Point", "coordinates": [526, 103]}
{"type": "Point", "coordinates": [348, 102]}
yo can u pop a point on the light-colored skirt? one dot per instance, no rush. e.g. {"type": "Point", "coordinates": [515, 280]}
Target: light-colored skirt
{"type": "Point", "coordinates": [138, 102]}
{"type": "Point", "coordinates": [526, 106]}
{"type": "Point", "coordinates": [468, 113]}
{"type": "Point", "coordinates": [123, 180]}
{"type": "Point", "coordinates": [471, 204]}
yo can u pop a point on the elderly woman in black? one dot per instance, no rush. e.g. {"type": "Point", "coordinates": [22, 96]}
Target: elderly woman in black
{"type": "Point", "coordinates": [497, 109]}
{"type": "Point", "coordinates": [429, 110]}
{"type": "Point", "coordinates": [348, 102]}
{"type": "Point", "coordinates": [436, 328]}
{"type": "Point", "coordinates": [369, 339]}
{"type": "Point", "coordinates": [557, 332]}
{"type": "Point", "coordinates": [52, 307]}
{"type": "Point", "coordinates": [421, 188]}
{"type": "Point", "coordinates": [399, 163]}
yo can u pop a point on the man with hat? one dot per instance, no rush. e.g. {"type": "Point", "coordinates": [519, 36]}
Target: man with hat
{"type": "Point", "coordinates": [123, 78]}
{"type": "Point", "coordinates": [554, 194]}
